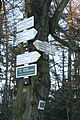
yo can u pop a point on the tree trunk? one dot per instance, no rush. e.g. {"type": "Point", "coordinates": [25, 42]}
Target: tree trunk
{"type": "Point", "coordinates": [40, 84]}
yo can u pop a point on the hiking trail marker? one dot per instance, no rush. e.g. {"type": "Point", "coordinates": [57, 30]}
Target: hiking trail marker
{"type": "Point", "coordinates": [24, 71]}
{"type": "Point", "coordinates": [27, 57]}
{"type": "Point", "coordinates": [44, 47]}
{"type": "Point", "coordinates": [41, 104]}
{"type": "Point", "coordinates": [25, 35]}
{"type": "Point", "coordinates": [25, 24]}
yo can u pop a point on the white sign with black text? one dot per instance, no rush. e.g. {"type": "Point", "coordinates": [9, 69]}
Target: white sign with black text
{"type": "Point", "coordinates": [25, 24]}
{"type": "Point", "coordinates": [27, 57]}
{"type": "Point", "coordinates": [44, 47]}
{"type": "Point", "coordinates": [26, 35]}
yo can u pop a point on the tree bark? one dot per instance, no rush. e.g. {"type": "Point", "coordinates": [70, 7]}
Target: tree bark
{"type": "Point", "coordinates": [40, 84]}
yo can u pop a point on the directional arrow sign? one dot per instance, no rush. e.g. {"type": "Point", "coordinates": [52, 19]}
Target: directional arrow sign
{"type": "Point", "coordinates": [44, 47]}
{"type": "Point", "coordinates": [25, 24]}
{"type": "Point", "coordinates": [26, 35]}
{"type": "Point", "coordinates": [29, 70]}
{"type": "Point", "coordinates": [27, 57]}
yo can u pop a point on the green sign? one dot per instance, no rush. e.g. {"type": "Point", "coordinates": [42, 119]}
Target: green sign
{"type": "Point", "coordinates": [41, 105]}
{"type": "Point", "coordinates": [29, 70]}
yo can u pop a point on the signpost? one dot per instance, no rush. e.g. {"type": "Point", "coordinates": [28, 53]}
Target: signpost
{"type": "Point", "coordinates": [44, 47]}
{"type": "Point", "coordinates": [25, 24]}
{"type": "Point", "coordinates": [29, 70]}
{"type": "Point", "coordinates": [26, 35]}
{"type": "Point", "coordinates": [27, 57]}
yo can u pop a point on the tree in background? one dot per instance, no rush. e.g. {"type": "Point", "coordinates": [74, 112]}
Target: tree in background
{"type": "Point", "coordinates": [64, 102]}
{"type": "Point", "coordinates": [0, 4]}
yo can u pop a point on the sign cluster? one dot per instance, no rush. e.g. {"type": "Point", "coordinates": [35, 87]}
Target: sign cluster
{"type": "Point", "coordinates": [24, 35]}
{"type": "Point", "coordinates": [25, 32]}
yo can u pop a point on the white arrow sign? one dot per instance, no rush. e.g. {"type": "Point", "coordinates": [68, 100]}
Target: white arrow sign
{"type": "Point", "coordinates": [44, 47]}
{"type": "Point", "coordinates": [27, 57]}
{"type": "Point", "coordinates": [26, 35]}
{"type": "Point", "coordinates": [25, 24]}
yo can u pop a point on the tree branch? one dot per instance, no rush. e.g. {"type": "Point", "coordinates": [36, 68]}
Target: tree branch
{"type": "Point", "coordinates": [65, 43]}
{"type": "Point", "coordinates": [57, 14]}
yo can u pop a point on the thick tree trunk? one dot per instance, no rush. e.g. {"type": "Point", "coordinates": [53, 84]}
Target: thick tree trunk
{"type": "Point", "coordinates": [39, 89]}
{"type": "Point", "coordinates": [40, 84]}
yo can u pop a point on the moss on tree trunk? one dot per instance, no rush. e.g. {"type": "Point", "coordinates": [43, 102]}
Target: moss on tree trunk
{"type": "Point", "coordinates": [26, 104]}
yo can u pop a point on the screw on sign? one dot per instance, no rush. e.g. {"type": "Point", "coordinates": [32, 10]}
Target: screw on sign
{"type": "Point", "coordinates": [26, 81]}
